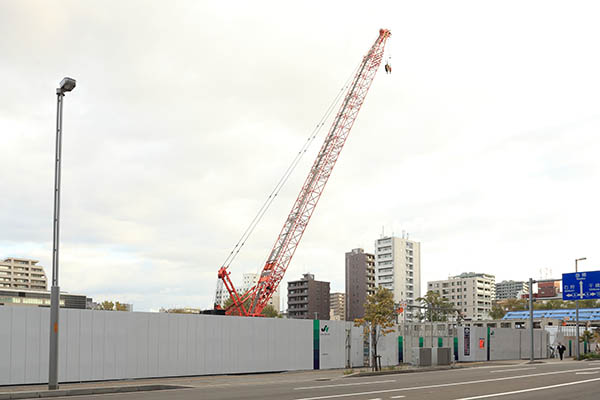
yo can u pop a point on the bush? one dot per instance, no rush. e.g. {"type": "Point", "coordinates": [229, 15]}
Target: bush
{"type": "Point", "coordinates": [589, 356]}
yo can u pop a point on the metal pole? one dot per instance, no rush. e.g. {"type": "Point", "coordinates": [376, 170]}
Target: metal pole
{"type": "Point", "coordinates": [55, 289]}
{"type": "Point", "coordinates": [576, 320]}
{"type": "Point", "coordinates": [531, 317]}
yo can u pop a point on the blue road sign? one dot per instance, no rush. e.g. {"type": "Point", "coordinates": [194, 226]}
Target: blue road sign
{"type": "Point", "coordinates": [581, 285]}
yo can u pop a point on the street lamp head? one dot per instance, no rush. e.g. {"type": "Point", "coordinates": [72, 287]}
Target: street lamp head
{"type": "Point", "coordinates": [581, 259]}
{"type": "Point", "coordinates": [67, 84]}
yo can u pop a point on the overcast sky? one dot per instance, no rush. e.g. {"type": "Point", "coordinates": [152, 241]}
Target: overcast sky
{"type": "Point", "coordinates": [483, 144]}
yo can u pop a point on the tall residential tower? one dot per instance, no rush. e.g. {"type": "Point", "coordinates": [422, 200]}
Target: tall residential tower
{"type": "Point", "coordinates": [360, 282]}
{"type": "Point", "coordinates": [398, 268]}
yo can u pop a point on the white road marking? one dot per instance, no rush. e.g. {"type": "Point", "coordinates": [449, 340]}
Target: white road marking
{"type": "Point", "coordinates": [485, 396]}
{"type": "Point", "coordinates": [343, 384]}
{"type": "Point", "coordinates": [397, 397]}
{"type": "Point", "coordinates": [587, 373]}
{"type": "Point", "coordinates": [333, 396]}
{"type": "Point", "coordinates": [510, 370]}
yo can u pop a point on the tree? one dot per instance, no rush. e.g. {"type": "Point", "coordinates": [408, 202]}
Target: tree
{"type": "Point", "coordinates": [438, 308]}
{"type": "Point", "coordinates": [497, 311]}
{"type": "Point", "coordinates": [269, 311]}
{"type": "Point", "coordinates": [586, 336]}
{"type": "Point", "coordinates": [514, 305]}
{"type": "Point", "coordinates": [108, 305]}
{"type": "Point", "coordinates": [379, 318]}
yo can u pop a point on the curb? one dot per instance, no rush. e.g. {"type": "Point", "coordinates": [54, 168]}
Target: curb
{"type": "Point", "coordinates": [85, 391]}
{"type": "Point", "coordinates": [400, 371]}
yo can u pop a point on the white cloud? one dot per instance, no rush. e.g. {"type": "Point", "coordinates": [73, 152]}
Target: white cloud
{"type": "Point", "coordinates": [482, 144]}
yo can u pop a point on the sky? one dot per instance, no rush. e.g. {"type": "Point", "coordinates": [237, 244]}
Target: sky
{"type": "Point", "coordinates": [482, 144]}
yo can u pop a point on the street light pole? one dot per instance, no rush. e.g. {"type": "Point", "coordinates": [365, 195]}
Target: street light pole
{"type": "Point", "coordinates": [577, 313]}
{"type": "Point", "coordinates": [66, 85]}
{"type": "Point", "coordinates": [531, 357]}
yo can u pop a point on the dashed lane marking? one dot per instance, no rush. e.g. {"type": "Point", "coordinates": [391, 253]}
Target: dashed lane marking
{"type": "Point", "coordinates": [333, 396]}
{"type": "Point", "coordinates": [485, 396]}
{"type": "Point", "coordinates": [510, 370]}
{"type": "Point", "coordinates": [343, 384]}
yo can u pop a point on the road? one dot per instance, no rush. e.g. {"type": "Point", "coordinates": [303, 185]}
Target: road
{"type": "Point", "coordinates": [519, 381]}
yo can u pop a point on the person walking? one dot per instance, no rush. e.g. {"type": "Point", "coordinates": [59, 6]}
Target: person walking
{"type": "Point", "coordinates": [561, 350]}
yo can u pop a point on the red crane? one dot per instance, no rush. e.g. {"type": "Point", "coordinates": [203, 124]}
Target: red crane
{"type": "Point", "coordinates": [297, 220]}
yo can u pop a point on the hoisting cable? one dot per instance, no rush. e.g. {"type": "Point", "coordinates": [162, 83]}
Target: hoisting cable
{"type": "Point", "coordinates": [282, 181]}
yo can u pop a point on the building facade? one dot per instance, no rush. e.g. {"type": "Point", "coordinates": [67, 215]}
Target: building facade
{"type": "Point", "coordinates": [511, 290]}
{"type": "Point", "coordinates": [251, 279]}
{"type": "Point", "coordinates": [22, 273]}
{"type": "Point", "coordinates": [40, 298]}
{"type": "Point", "coordinates": [308, 298]}
{"type": "Point", "coordinates": [470, 293]}
{"type": "Point", "coordinates": [360, 282]}
{"type": "Point", "coordinates": [337, 306]}
{"type": "Point", "coordinates": [549, 289]}
{"type": "Point", "coordinates": [398, 268]}
{"type": "Point", "coordinates": [221, 295]}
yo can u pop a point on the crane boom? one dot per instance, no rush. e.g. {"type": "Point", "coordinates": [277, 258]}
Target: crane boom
{"type": "Point", "coordinates": [304, 206]}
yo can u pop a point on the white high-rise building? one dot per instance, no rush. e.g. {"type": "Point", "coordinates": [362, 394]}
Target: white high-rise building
{"type": "Point", "coordinates": [250, 279]}
{"type": "Point", "coordinates": [398, 268]}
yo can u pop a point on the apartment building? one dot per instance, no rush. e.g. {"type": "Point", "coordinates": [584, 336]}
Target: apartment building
{"type": "Point", "coordinates": [360, 282]}
{"type": "Point", "coordinates": [470, 293]}
{"type": "Point", "coordinates": [511, 289]}
{"type": "Point", "coordinates": [22, 273]}
{"type": "Point", "coordinates": [308, 298]}
{"type": "Point", "coordinates": [398, 268]}
{"type": "Point", "coordinates": [337, 306]}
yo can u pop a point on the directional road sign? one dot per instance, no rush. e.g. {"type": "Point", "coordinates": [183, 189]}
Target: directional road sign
{"type": "Point", "coordinates": [581, 285]}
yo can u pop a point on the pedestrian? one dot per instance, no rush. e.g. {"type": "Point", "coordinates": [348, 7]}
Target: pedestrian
{"type": "Point", "coordinates": [561, 350]}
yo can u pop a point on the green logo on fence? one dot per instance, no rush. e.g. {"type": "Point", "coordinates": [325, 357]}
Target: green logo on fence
{"type": "Point", "coordinates": [325, 329]}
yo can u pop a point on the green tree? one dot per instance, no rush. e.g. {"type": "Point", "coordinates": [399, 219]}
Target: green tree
{"type": "Point", "coordinates": [437, 309]}
{"type": "Point", "coordinates": [269, 311]}
{"type": "Point", "coordinates": [497, 311]}
{"type": "Point", "coordinates": [586, 336]}
{"type": "Point", "coordinates": [120, 306]}
{"type": "Point", "coordinates": [379, 318]}
{"type": "Point", "coordinates": [515, 305]}
{"type": "Point", "coordinates": [107, 305]}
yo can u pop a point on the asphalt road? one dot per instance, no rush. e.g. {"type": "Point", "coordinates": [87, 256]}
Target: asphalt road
{"type": "Point", "coordinates": [554, 380]}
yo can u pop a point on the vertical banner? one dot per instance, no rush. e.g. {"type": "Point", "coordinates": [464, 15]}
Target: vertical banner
{"type": "Point", "coordinates": [467, 341]}
{"type": "Point", "coordinates": [316, 344]}
{"type": "Point", "coordinates": [455, 349]}
{"type": "Point", "coordinates": [400, 350]}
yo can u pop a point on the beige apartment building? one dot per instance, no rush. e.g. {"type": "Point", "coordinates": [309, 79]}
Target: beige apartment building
{"type": "Point", "coordinates": [470, 293]}
{"type": "Point", "coordinates": [22, 273]}
{"type": "Point", "coordinates": [337, 306]}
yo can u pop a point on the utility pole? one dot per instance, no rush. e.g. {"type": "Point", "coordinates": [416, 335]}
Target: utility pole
{"type": "Point", "coordinates": [577, 313]}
